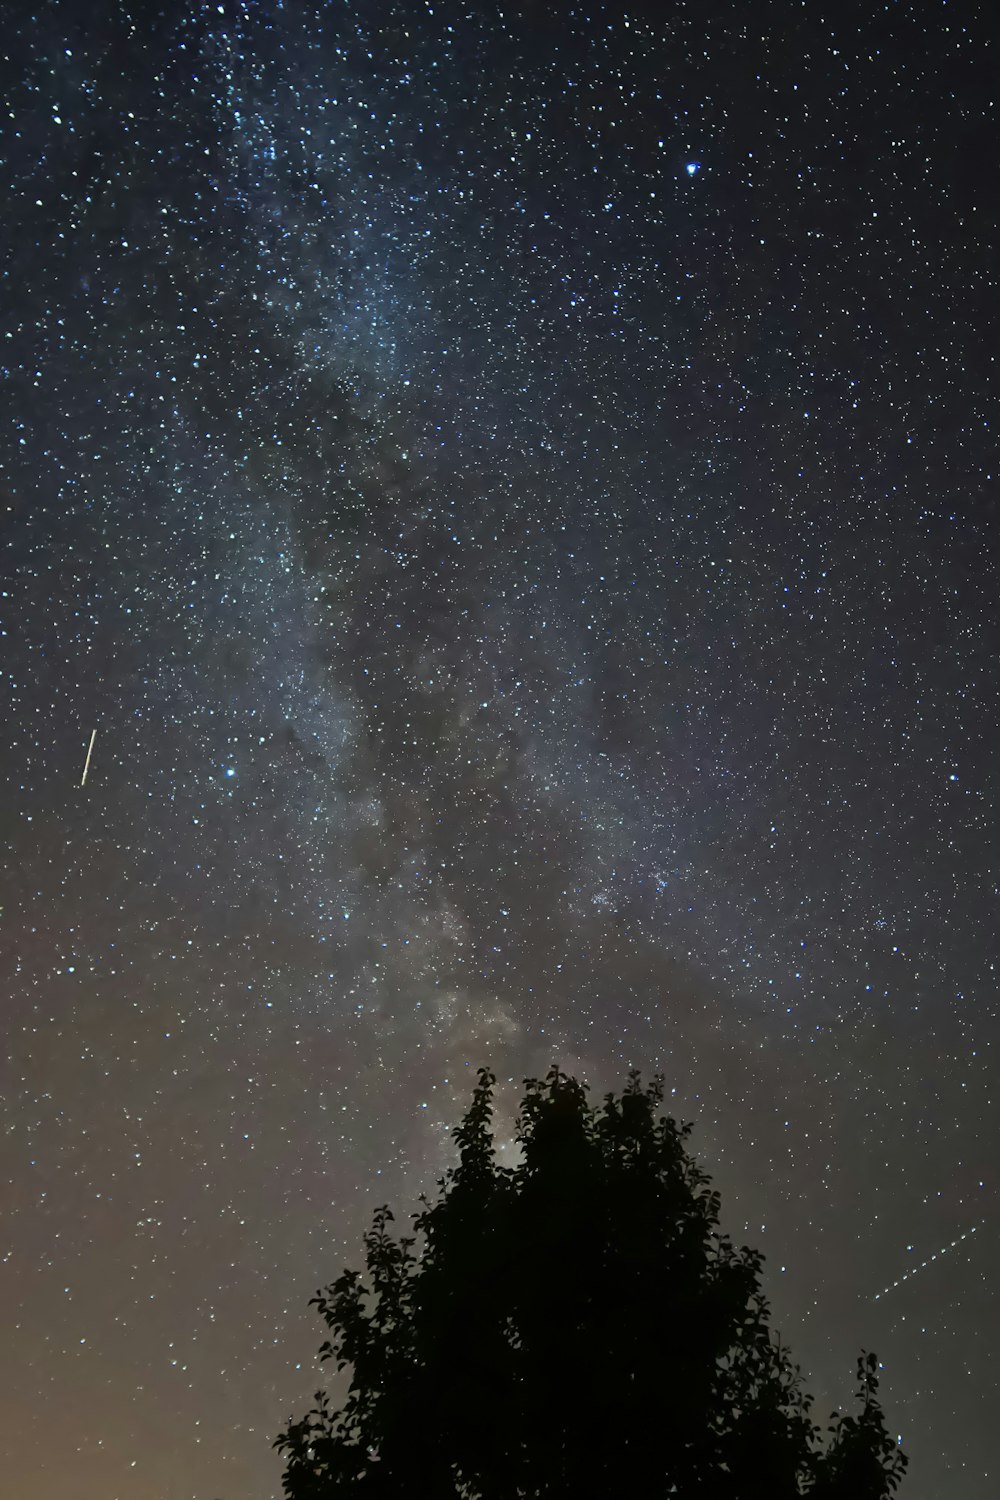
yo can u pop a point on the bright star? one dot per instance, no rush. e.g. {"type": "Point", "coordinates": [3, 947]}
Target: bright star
{"type": "Point", "coordinates": [693, 167]}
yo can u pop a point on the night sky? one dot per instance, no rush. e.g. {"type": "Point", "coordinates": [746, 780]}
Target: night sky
{"type": "Point", "coordinates": [514, 495]}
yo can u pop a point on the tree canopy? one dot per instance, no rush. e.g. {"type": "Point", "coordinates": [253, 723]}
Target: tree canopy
{"type": "Point", "coordinates": [573, 1326]}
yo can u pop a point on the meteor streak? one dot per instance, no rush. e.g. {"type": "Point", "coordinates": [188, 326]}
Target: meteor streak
{"type": "Point", "coordinates": [90, 751]}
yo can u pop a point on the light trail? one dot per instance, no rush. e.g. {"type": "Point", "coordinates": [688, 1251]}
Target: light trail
{"type": "Point", "coordinates": [90, 751]}
{"type": "Point", "coordinates": [929, 1261]}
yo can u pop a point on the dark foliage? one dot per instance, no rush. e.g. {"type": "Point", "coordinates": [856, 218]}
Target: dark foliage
{"type": "Point", "coordinates": [572, 1327]}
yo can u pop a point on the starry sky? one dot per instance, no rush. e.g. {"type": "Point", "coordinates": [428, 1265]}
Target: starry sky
{"type": "Point", "coordinates": [514, 492]}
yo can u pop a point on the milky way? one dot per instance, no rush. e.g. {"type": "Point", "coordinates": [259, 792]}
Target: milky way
{"type": "Point", "coordinates": [515, 499]}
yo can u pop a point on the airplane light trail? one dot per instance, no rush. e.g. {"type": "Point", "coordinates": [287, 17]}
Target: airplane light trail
{"type": "Point", "coordinates": [936, 1256]}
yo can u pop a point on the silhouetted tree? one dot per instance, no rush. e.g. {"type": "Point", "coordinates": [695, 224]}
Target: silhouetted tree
{"type": "Point", "coordinates": [575, 1326]}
